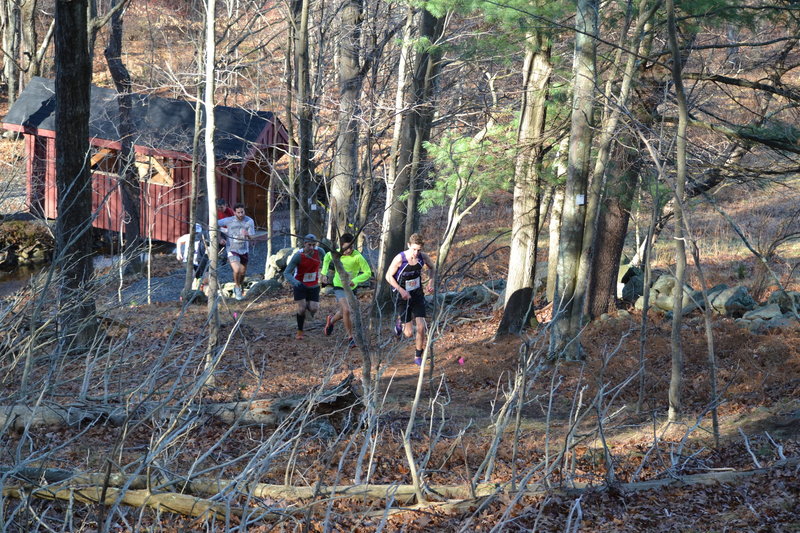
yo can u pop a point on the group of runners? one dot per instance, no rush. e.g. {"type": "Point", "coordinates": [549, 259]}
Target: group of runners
{"type": "Point", "coordinates": [311, 267]}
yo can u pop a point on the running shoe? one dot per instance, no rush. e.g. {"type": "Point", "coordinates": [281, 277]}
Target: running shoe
{"type": "Point", "coordinates": [237, 293]}
{"type": "Point", "coordinates": [329, 325]}
{"type": "Point", "coordinates": [398, 327]}
{"type": "Point", "coordinates": [299, 335]}
{"type": "Point", "coordinates": [418, 361]}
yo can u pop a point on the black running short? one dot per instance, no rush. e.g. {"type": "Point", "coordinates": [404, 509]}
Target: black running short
{"type": "Point", "coordinates": [412, 308]}
{"type": "Point", "coordinates": [304, 292]}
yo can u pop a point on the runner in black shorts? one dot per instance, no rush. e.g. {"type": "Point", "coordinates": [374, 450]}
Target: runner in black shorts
{"type": "Point", "coordinates": [302, 271]}
{"type": "Point", "coordinates": [405, 277]}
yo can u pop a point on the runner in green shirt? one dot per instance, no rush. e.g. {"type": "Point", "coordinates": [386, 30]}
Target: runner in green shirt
{"type": "Point", "coordinates": [358, 271]}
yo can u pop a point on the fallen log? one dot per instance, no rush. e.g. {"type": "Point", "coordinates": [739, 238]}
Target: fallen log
{"type": "Point", "coordinates": [20, 416]}
{"type": "Point", "coordinates": [166, 501]}
{"type": "Point", "coordinates": [267, 412]}
{"type": "Point", "coordinates": [59, 478]}
{"type": "Point", "coordinates": [456, 498]}
{"type": "Point", "coordinates": [271, 412]}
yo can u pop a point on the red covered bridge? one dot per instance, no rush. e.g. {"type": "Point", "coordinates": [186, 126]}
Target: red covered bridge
{"type": "Point", "coordinates": [246, 144]}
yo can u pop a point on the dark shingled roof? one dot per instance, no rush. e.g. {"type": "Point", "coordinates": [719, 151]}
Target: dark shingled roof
{"type": "Point", "coordinates": [159, 123]}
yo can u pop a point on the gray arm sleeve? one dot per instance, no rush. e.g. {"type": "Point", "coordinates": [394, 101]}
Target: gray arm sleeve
{"type": "Point", "coordinates": [291, 266]}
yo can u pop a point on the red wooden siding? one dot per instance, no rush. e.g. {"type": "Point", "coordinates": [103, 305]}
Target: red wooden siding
{"type": "Point", "coordinates": [36, 169]}
{"type": "Point", "coordinates": [106, 202]}
{"type": "Point", "coordinates": [228, 185]}
{"type": "Point", "coordinates": [164, 209]}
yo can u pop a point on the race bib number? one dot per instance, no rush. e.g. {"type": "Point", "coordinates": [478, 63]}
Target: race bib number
{"type": "Point", "coordinates": [309, 277]}
{"type": "Point", "coordinates": [413, 284]}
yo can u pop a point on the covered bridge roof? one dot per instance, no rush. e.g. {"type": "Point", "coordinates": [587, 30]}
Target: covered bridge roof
{"type": "Point", "coordinates": [159, 123]}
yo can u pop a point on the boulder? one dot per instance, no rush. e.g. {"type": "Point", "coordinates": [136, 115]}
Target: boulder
{"type": "Point", "coordinates": [760, 326]}
{"type": "Point", "coordinates": [784, 300]}
{"type": "Point", "coordinates": [662, 302]}
{"type": "Point", "coordinates": [277, 262]}
{"type": "Point", "coordinates": [263, 287]}
{"type": "Point", "coordinates": [632, 289]}
{"type": "Point", "coordinates": [768, 312]}
{"type": "Point", "coordinates": [664, 284]}
{"type": "Point", "coordinates": [626, 274]}
{"type": "Point", "coordinates": [194, 297]}
{"type": "Point", "coordinates": [661, 294]}
{"type": "Point", "coordinates": [733, 301]}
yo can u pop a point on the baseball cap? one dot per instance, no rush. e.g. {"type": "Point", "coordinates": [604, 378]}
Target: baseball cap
{"type": "Point", "coordinates": [310, 238]}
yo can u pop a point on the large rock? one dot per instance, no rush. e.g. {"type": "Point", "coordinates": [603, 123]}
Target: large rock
{"type": "Point", "coordinates": [632, 288]}
{"type": "Point", "coordinates": [261, 287]}
{"type": "Point", "coordinates": [768, 312]}
{"type": "Point", "coordinates": [696, 300]}
{"type": "Point", "coordinates": [784, 300]}
{"type": "Point", "coordinates": [760, 326]}
{"type": "Point", "coordinates": [661, 294]}
{"type": "Point", "coordinates": [733, 301]}
{"type": "Point", "coordinates": [626, 275]}
{"type": "Point", "coordinates": [664, 284]}
{"type": "Point", "coordinates": [194, 297]}
{"type": "Point", "coordinates": [277, 262]}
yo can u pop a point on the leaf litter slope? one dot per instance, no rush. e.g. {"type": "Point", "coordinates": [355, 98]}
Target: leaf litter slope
{"type": "Point", "coordinates": [760, 376]}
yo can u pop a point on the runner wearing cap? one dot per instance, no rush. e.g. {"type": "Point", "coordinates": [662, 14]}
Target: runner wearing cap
{"type": "Point", "coordinates": [358, 271]}
{"type": "Point", "coordinates": [302, 272]}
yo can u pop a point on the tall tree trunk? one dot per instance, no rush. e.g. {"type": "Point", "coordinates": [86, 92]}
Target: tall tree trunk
{"type": "Point", "coordinates": [28, 44]}
{"type": "Point", "coordinates": [129, 176]}
{"type": "Point", "coordinates": [77, 323]}
{"type": "Point", "coordinates": [676, 374]}
{"type": "Point", "coordinates": [290, 64]}
{"type": "Point", "coordinates": [211, 185]}
{"type": "Point", "coordinates": [394, 213]}
{"type": "Point", "coordinates": [554, 229]}
{"type": "Point", "coordinates": [621, 193]}
{"type": "Point", "coordinates": [612, 228]}
{"type": "Point", "coordinates": [345, 162]}
{"type": "Point", "coordinates": [197, 211]}
{"type": "Point", "coordinates": [426, 71]}
{"type": "Point", "coordinates": [11, 46]}
{"type": "Point", "coordinates": [519, 292]}
{"type": "Point", "coordinates": [305, 122]}
{"type": "Point", "coordinates": [567, 304]}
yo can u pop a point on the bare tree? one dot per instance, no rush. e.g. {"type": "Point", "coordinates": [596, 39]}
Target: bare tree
{"type": "Point", "coordinates": [73, 177]}
{"type": "Point", "coordinates": [567, 302]}
{"type": "Point", "coordinates": [676, 374]}
{"type": "Point", "coordinates": [345, 161]}
{"type": "Point", "coordinates": [519, 293]}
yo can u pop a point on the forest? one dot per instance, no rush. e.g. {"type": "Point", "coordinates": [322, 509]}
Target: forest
{"type": "Point", "coordinates": [609, 196]}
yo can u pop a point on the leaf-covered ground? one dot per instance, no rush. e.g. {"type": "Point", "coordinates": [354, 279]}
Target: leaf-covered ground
{"type": "Point", "coordinates": [163, 353]}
